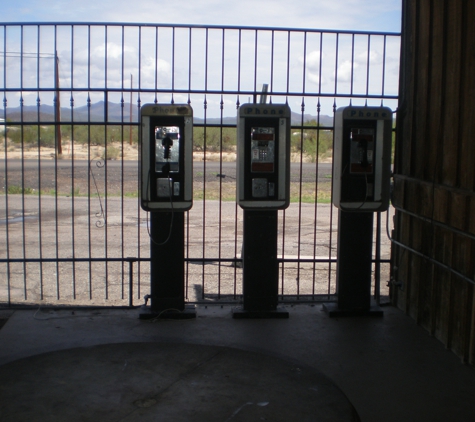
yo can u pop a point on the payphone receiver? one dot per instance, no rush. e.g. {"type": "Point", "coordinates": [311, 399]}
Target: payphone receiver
{"type": "Point", "coordinates": [263, 155]}
{"type": "Point", "coordinates": [167, 143]}
{"type": "Point", "coordinates": [362, 158]}
{"type": "Point", "coordinates": [166, 150]}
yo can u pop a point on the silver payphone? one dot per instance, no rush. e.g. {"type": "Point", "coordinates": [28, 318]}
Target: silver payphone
{"type": "Point", "coordinates": [263, 155]}
{"type": "Point", "coordinates": [362, 158]}
{"type": "Point", "coordinates": [166, 157]}
{"type": "Point", "coordinates": [263, 188]}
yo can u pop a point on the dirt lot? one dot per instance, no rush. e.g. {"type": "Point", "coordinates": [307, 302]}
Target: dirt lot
{"type": "Point", "coordinates": [67, 228]}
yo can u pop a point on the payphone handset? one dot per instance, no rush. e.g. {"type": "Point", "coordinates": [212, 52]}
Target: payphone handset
{"type": "Point", "coordinates": [166, 151]}
{"type": "Point", "coordinates": [263, 155]}
{"type": "Point", "coordinates": [362, 158]}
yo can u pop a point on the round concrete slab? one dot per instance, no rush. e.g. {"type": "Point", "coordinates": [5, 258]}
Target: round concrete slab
{"type": "Point", "coordinates": [166, 382]}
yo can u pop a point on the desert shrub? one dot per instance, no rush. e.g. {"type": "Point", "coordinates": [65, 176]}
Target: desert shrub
{"type": "Point", "coordinates": [312, 142]}
{"type": "Point", "coordinates": [214, 139]}
{"type": "Point", "coordinates": [111, 153]}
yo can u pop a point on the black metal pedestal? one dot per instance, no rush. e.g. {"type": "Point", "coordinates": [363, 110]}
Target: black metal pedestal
{"type": "Point", "coordinates": [260, 267]}
{"type": "Point", "coordinates": [354, 260]}
{"type": "Point", "coordinates": [167, 271]}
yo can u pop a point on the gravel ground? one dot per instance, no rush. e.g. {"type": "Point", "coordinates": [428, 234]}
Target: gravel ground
{"type": "Point", "coordinates": [72, 228]}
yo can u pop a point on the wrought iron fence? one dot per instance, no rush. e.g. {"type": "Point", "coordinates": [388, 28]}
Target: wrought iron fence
{"type": "Point", "coordinates": [71, 227]}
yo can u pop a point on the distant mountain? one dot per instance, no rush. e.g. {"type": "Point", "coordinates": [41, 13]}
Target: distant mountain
{"type": "Point", "coordinates": [97, 112]}
{"type": "Point", "coordinates": [115, 112]}
{"type": "Point", "coordinates": [296, 120]}
{"type": "Point", "coordinates": [324, 120]}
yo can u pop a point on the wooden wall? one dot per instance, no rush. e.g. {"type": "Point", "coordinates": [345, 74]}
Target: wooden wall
{"type": "Point", "coordinates": [433, 258]}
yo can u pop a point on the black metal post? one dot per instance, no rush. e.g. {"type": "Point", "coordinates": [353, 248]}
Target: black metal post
{"type": "Point", "coordinates": [354, 261]}
{"type": "Point", "coordinates": [167, 271]}
{"type": "Point", "coordinates": [260, 266]}
{"type": "Point", "coordinates": [377, 263]}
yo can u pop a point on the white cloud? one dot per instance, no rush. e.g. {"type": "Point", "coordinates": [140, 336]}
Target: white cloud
{"type": "Point", "coordinates": [313, 66]}
{"type": "Point", "coordinates": [346, 69]}
{"type": "Point", "coordinates": [313, 60]}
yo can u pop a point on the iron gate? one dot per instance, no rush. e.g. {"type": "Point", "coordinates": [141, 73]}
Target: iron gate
{"type": "Point", "coordinates": [71, 228]}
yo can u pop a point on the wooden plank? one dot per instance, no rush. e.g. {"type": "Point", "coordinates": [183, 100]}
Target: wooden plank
{"type": "Point", "coordinates": [443, 247]}
{"type": "Point", "coordinates": [416, 234]}
{"type": "Point", "coordinates": [419, 140]}
{"type": "Point", "coordinates": [466, 167]}
{"type": "Point", "coordinates": [462, 255]}
{"type": "Point", "coordinates": [459, 211]}
{"type": "Point", "coordinates": [471, 351]}
{"type": "Point", "coordinates": [402, 263]}
{"type": "Point", "coordinates": [405, 115]}
{"type": "Point", "coordinates": [425, 300]}
{"type": "Point", "coordinates": [443, 253]}
{"type": "Point", "coordinates": [423, 242]}
{"type": "Point", "coordinates": [441, 204]}
{"type": "Point", "coordinates": [460, 317]}
{"type": "Point", "coordinates": [471, 227]}
{"type": "Point", "coordinates": [398, 192]}
{"type": "Point", "coordinates": [410, 196]}
{"type": "Point", "coordinates": [451, 101]}
{"type": "Point", "coordinates": [425, 199]}
{"type": "Point", "coordinates": [442, 308]}
{"type": "Point", "coordinates": [400, 274]}
{"type": "Point", "coordinates": [427, 235]}
{"type": "Point", "coordinates": [434, 130]}
{"type": "Point", "coordinates": [413, 283]}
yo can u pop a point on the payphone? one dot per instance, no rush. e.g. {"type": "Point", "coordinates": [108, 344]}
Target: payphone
{"type": "Point", "coordinates": [361, 180]}
{"type": "Point", "coordinates": [263, 155]}
{"type": "Point", "coordinates": [362, 158]}
{"type": "Point", "coordinates": [263, 188]}
{"type": "Point", "coordinates": [166, 157]}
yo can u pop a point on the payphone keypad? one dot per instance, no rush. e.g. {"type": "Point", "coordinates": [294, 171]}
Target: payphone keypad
{"type": "Point", "coordinates": [262, 149]}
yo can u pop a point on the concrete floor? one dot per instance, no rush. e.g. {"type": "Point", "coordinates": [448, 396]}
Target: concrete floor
{"type": "Point", "coordinates": [215, 367]}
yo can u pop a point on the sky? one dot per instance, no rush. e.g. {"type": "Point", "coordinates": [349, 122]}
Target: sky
{"type": "Point", "coordinates": [354, 15]}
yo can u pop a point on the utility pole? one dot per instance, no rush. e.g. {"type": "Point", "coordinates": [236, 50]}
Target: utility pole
{"type": "Point", "coordinates": [57, 107]}
{"type": "Point", "coordinates": [130, 127]}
